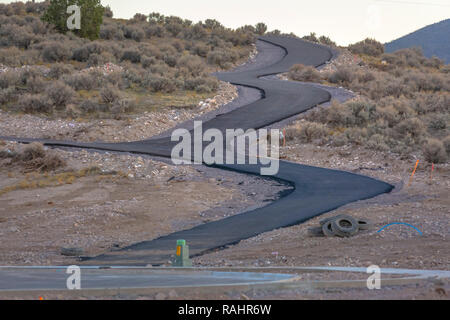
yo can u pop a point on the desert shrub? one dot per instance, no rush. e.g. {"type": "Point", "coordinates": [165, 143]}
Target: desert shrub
{"type": "Point", "coordinates": [14, 35]}
{"type": "Point", "coordinates": [160, 68]}
{"type": "Point", "coordinates": [201, 84]}
{"type": "Point", "coordinates": [368, 46]}
{"type": "Point", "coordinates": [7, 95]}
{"type": "Point", "coordinates": [433, 62]}
{"type": "Point", "coordinates": [32, 151]}
{"type": "Point", "coordinates": [434, 151]}
{"type": "Point", "coordinates": [123, 106]}
{"type": "Point", "coordinates": [57, 70]}
{"type": "Point", "coordinates": [221, 57]}
{"type": "Point", "coordinates": [89, 106]}
{"type": "Point", "coordinates": [365, 76]}
{"type": "Point", "coordinates": [300, 72]}
{"type": "Point", "coordinates": [83, 53]}
{"type": "Point", "coordinates": [132, 55]}
{"type": "Point", "coordinates": [35, 103]}
{"type": "Point", "coordinates": [111, 32]}
{"type": "Point", "coordinates": [139, 17]}
{"type": "Point", "coordinates": [133, 32]}
{"type": "Point", "coordinates": [446, 143]}
{"type": "Point", "coordinates": [438, 122]}
{"type": "Point", "coordinates": [357, 113]}
{"type": "Point", "coordinates": [108, 12]}
{"type": "Point", "coordinates": [147, 61]}
{"type": "Point", "coordinates": [60, 94]}
{"type": "Point", "coordinates": [306, 131]}
{"type": "Point", "coordinates": [326, 41]}
{"type": "Point", "coordinates": [34, 157]}
{"type": "Point", "coordinates": [9, 79]}
{"type": "Point", "coordinates": [110, 94]}
{"type": "Point", "coordinates": [153, 31]}
{"type": "Point", "coordinates": [174, 28]}
{"type": "Point", "coordinates": [55, 52]}
{"type": "Point", "coordinates": [343, 75]}
{"type": "Point", "coordinates": [83, 81]}
{"type": "Point", "coordinates": [178, 45]}
{"type": "Point", "coordinates": [356, 135]}
{"type": "Point", "coordinates": [418, 81]}
{"type": "Point", "coordinates": [260, 28]}
{"type": "Point", "coordinates": [311, 37]}
{"type": "Point", "coordinates": [116, 79]}
{"type": "Point", "coordinates": [170, 60]}
{"type": "Point", "coordinates": [412, 127]}
{"type": "Point", "coordinates": [14, 57]}
{"type": "Point", "coordinates": [424, 103]}
{"type": "Point", "coordinates": [36, 84]}
{"type": "Point", "coordinates": [193, 64]}
{"type": "Point", "coordinates": [160, 84]}
{"type": "Point", "coordinates": [200, 49]}
{"type": "Point", "coordinates": [133, 75]}
{"type": "Point", "coordinates": [377, 142]}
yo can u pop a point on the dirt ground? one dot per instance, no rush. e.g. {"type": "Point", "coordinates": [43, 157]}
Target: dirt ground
{"type": "Point", "coordinates": [141, 199]}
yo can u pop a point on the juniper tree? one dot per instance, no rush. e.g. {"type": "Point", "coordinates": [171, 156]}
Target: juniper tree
{"type": "Point", "coordinates": [91, 16]}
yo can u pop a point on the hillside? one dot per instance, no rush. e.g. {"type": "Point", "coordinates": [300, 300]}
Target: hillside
{"type": "Point", "coordinates": [135, 65]}
{"type": "Point", "coordinates": [433, 39]}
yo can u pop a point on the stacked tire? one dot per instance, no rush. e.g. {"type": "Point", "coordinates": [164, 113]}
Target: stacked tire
{"type": "Point", "coordinates": [343, 226]}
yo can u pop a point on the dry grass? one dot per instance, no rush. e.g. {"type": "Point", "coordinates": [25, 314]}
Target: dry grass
{"type": "Point", "coordinates": [34, 180]}
{"type": "Point", "coordinates": [32, 157]}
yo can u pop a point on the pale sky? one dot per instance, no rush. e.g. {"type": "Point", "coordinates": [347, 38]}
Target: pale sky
{"type": "Point", "coordinates": [344, 21]}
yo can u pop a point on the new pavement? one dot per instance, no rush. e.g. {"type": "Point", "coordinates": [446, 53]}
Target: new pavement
{"type": "Point", "coordinates": [316, 190]}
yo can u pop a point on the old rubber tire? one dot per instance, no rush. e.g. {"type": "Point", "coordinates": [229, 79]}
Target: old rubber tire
{"type": "Point", "coordinates": [364, 224]}
{"type": "Point", "coordinates": [328, 230]}
{"type": "Point", "coordinates": [316, 232]}
{"type": "Point", "coordinates": [345, 226]}
{"type": "Point", "coordinates": [326, 220]}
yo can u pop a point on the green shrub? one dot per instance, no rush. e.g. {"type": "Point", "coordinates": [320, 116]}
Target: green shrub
{"type": "Point", "coordinates": [368, 46]}
{"type": "Point", "coordinates": [261, 28]}
{"type": "Point", "coordinates": [91, 16]}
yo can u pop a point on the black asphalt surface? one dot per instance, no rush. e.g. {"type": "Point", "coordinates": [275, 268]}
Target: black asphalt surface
{"type": "Point", "coordinates": [316, 190]}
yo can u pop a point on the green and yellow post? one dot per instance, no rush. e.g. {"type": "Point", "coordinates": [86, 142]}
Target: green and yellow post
{"type": "Point", "coordinates": [182, 255]}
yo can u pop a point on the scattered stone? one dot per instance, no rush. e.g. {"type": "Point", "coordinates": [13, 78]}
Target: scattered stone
{"type": "Point", "coordinates": [160, 296]}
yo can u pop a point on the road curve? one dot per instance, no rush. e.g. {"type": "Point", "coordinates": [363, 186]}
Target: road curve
{"type": "Point", "coordinates": [316, 190]}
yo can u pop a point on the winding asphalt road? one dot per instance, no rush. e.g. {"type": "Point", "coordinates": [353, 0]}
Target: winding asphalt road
{"type": "Point", "coordinates": [316, 190]}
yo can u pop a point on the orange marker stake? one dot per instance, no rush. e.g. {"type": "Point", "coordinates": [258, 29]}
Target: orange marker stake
{"type": "Point", "coordinates": [414, 172]}
{"type": "Point", "coordinates": [432, 169]}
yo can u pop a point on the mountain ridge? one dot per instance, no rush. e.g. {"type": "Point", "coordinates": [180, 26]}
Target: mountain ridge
{"type": "Point", "coordinates": [430, 38]}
